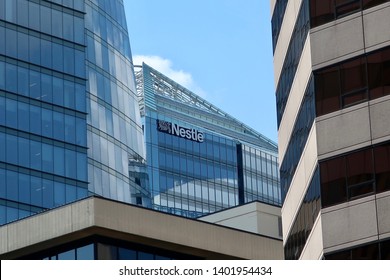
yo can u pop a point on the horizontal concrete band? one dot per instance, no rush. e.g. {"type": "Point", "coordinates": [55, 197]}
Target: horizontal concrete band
{"type": "Point", "coordinates": [97, 216]}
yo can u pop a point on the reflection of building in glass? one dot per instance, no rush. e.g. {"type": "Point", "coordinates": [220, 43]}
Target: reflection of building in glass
{"type": "Point", "coordinates": [69, 118]}
{"type": "Point", "coordinates": [200, 159]}
{"type": "Point", "coordinates": [332, 66]}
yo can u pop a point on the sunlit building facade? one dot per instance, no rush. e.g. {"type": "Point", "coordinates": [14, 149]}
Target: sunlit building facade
{"type": "Point", "coordinates": [69, 118]}
{"type": "Point", "coordinates": [331, 63]}
{"type": "Point", "coordinates": [200, 159]}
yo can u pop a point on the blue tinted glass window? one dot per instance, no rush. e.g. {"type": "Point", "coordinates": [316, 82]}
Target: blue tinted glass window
{"type": "Point", "coordinates": [58, 126]}
{"type": "Point", "coordinates": [12, 185]}
{"type": "Point", "coordinates": [56, 19]}
{"type": "Point", "coordinates": [70, 167]}
{"type": "Point", "coordinates": [36, 155]}
{"type": "Point", "coordinates": [23, 46]}
{"type": "Point", "coordinates": [24, 188]}
{"type": "Point", "coordinates": [86, 252]}
{"type": "Point", "coordinates": [24, 152]}
{"type": "Point", "coordinates": [45, 20]}
{"type": "Point", "coordinates": [36, 191]}
{"type": "Point", "coordinates": [59, 193]}
{"type": "Point", "coordinates": [46, 83]}
{"type": "Point", "coordinates": [23, 81]}
{"type": "Point", "coordinates": [23, 116]}
{"type": "Point", "coordinates": [12, 149]}
{"type": "Point", "coordinates": [22, 13]}
{"type": "Point", "coordinates": [69, 94]}
{"type": "Point", "coordinates": [46, 54]}
{"type": "Point", "coordinates": [80, 63]}
{"type": "Point", "coordinates": [47, 193]}
{"type": "Point", "coordinates": [10, 77]}
{"type": "Point", "coordinates": [2, 146]}
{"type": "Point", "coordinates": [10, 43]}
{"type": "Point", "coordinates": [68, 26]}
{"type": "Point", "coordinates": [34, 50]}
{"type": "Point", "coordinates": [2, 74]}
{"type": "Point", "coordinates": [35, 85]}
{"type": "Point", "coordinates": [11, 113]}
{"type": "Point", "coordinates": [47, 120]}
{"type": "Point", "coordinates": [80, 97]}
{"type": "Point", "coordinates": [33, 20]}
{"type": "Point", "coordinates": [69, 255]}
{"type": "Point", "coordinates": [35, 116]}
{"type": "Point", "coordinates": [58, 57]}
{"type": "Point", "coordinates": [47, 158]}
{"type": "Point", "coordinates": [10, 10]}
{"type": "Point", "coordinates": [58, 91]}
{"type": "Point", "coordinates": [2, 182]}
{"type": "Point", "coordinates": [79, 30]}
{"type": "Point", "coordinates": [70, 193]}
{"type": "Point", "coordinates": [126, 254]}
{"type": "Point", "coordinates": [69, 58]}
{"type": "Point", "coordinates": [70, 129]}
{"type": "Point", "coordinates": [2, 39]}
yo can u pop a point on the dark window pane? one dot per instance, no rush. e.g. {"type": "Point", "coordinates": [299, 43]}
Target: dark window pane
{"type": "Point", "coordinates": [378, 73]}
{"type": "Point", "coordinates": [327, 84]}
{"type": "Point", "coordinates": [333, 182]}
{"type": "Point", "coordinates": [321, 12]}
{"type": "Point", "coordinates": [126, 254]}
{"type": "Point", "coordinates": [385, 250]}
{"type": "Point", "coordinates": [382, 168]}
{"type": "Point", "coordinates": [353, 81]}
{"type": "Point", "coordinates": [371, 3]}
{"type": "Point", "coordinates": [346, 7]}
{"type": "Point", "coordinates": [368, 252]}
{"type": "Point", "coordinates": [359, 167]}
{"type": "Point", "coordinates": [344, 255]}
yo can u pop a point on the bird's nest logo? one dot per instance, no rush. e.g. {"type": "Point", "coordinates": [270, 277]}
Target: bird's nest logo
{"type": "Point", "coordinates": [164, 126]}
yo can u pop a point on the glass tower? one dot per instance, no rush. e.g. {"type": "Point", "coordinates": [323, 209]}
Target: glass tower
{"type": "Point", "coordinates": [69, 120]}
{"type": "Point", "coordinates": [200, 159]}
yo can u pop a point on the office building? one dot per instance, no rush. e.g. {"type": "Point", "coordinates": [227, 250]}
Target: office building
{"type": "Point", "coordinates": [69, 117]}
{"type": "Point", "coordinates": [99, 228]}
{"type": "Point", "coordinates": [331, 64]}
{"type": "Point", "coordinates": [200, 159]}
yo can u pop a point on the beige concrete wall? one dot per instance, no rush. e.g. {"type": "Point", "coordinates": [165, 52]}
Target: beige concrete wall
{"type": "Point", "coordinates": [313, 249]}
{"type": "Point", "coordinates": [349, 224]}
{"type": "Point", "coordinates": [300, 183]}
{"type": "Point", "coordinates": [350, 36]}
{"type": "Point", "coordinates": [254, 217]}
{"type": "Point", "coordinates": [96, 216]}
{"type": "Point", "coordinates": [343, 131]}
{"type": "Point", "coordinates": [290, 16]}
{"type": "Point", "coordinates": [296, 95]}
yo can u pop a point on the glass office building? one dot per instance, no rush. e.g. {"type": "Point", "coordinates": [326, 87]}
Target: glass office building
{"type": "Point", "coordinates": [200, 159]}
{"type": "Point", "coordinates": [69, 118]}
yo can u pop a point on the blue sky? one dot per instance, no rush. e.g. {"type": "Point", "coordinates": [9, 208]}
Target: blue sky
{"type": "Point", "coordinates": [219, 49]}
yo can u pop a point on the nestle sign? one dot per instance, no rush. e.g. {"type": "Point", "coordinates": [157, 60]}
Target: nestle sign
{"type": "Point", "coordinates": [177, 130]}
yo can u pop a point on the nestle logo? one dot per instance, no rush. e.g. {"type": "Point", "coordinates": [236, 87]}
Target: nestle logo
{"type": "Point", "coordinates": [182, 132]}
{"type": "Point", "coordinates": [164, 126]}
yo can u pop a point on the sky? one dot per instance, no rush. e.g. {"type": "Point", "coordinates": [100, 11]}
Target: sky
{"type": "Point", "coordinates": [219, 49]}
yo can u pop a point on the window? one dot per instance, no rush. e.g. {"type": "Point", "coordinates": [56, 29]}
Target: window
{"type": "Point", "coordinates": [382, 168]}
{"type": "Point", "coordinates": [333, 183]}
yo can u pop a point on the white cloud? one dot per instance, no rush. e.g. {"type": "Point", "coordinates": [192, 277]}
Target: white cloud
{"type": "Point", "coordinates": [165, 66]}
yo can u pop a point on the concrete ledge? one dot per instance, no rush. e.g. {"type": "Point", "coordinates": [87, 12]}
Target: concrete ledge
{"type": "Point", "coordinates": [98, 216]}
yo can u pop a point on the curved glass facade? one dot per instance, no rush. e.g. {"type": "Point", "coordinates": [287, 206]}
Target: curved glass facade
{"type": "Point", "coordinates": [114, 132]}
{"type": "Point", "coordinates": [69, 118]}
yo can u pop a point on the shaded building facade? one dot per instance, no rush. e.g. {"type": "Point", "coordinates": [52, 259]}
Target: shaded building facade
{"type": "Point", "coordinates": [331, 63]}
{"type": "Point", "coordinates": [200, 159]}
{"type": "Point", "coordinates": [69, 118]}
